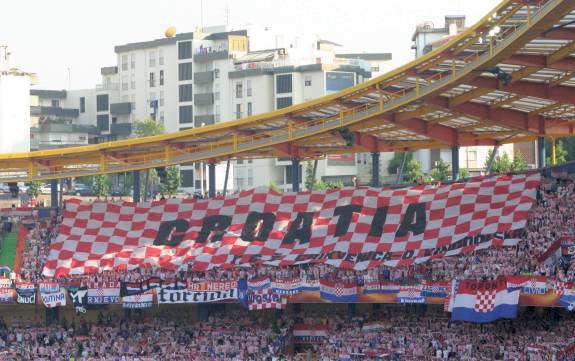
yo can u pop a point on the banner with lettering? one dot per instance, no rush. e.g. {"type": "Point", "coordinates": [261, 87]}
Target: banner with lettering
{"type": "Point", "coordinates": [355, 228]}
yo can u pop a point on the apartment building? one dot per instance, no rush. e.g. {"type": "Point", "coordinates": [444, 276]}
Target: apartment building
{"type": "Point", "coordinates": [204, 77]}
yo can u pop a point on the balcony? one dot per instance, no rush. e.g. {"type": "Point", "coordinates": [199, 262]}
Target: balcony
{"type": "Point", "coordinates": [122, 129]}
{"type": "Point", "coordinates": [203, 56]}
{"type": "Point", "coordinates": [54, 111]}
{"type": "Point", "coordinates": [205, 119]}
{"type": "Point", "coordinates": [66, 128]}
{"type": "Point", "coordinates": [204, 77]}
{"type": "Point", "coordinates": [204, 99]}
{"type": "Point", "coordinates": [121, 108]}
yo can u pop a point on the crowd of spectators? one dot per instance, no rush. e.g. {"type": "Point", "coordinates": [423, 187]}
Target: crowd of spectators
{"type": "Point", "coordinates": [552, 218]}
{"type": "Point", "coordinates": [535, 336]}
{"type": "Point", "coordinates": [168, 336]}
{"type": "Point", "coordinates": [412, 333]}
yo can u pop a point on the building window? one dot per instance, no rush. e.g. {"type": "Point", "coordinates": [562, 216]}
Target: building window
{"type": "Point", "coordinates": [187, 176]}
{"type": "Point", "coordinates": [162, 116]}
{"type": "Point", "coordinates": [472, 155]}
{"type": "Point", "coordinates": [239, 90]}
{"type": "Point", "coordinates": [152, 80]}
{"type": "Point", "coordinates": [55, 103]}
{"type": "Point", "coordinates": [238, 111]}
{"type": "Point", "coordinates": [152, 59]}
{"type": "Point", "coordinates": [250, 177]}
{"type": "Point", "coordinates": [124, 82]}
{"type": "Point", "coordinates": [289, 174]}
{"type": "Point", "coordinates": [283, 102]}
{"type": "Point", "coordinates": [133, 82]}
{"type": "Point", "coordinates": [307, 81]}
{"type": "Point", "coordinates": [133, 61]}
{"type": "Point", "coordinates": [186, 114]}
{"type": "Point", "coordinates": [217, 115]}
{"type": "Point", "coordinates": [162, 98]}
{"type": "Point", "coordinates": [185, 71]}
{"type": "Point", "coordinates": [186, 93]}
{"type": "Point", "coordinates": [217, 92]}
{"type": "Point", "coordinates": [124, 62]}
{"type": "Point", "coordinates": [185, 50]}
{"type": "Point", "coordinates": [103, 122]}
{"type": "Point", "coordinates": [249, 109]}
{"type": "Point", "coordinates": [82, 104]}
{"type": "Point", "coordinates": [284, 83]}
{"type": "Point", "coordinates": [216, 73]}
{"type": "Point", "coordinates": [161, 56]}
{"type": "Point", "coordinates": [161, 77]}
{"type": "Point", "coordinates": [248, 88]}
{"type": "Point", "coordinates": [102, 103]}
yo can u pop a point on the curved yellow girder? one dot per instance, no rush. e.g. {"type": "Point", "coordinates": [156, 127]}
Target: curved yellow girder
{"type": "Point", "coordinates": [509, 78]}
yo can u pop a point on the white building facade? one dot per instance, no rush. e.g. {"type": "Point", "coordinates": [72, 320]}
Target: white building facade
{"type": "Point", "coordinates": [205, 77]}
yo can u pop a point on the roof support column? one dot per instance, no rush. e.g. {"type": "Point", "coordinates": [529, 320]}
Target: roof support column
{"type": "Point", "coordinates": [541, 152]}
{"type": "Point", "coordinates": [54, 193]}
{"type": "Point", "coordinates": [226, 177]}
{"type": "Point", "coordinates": [492, 159]}
{"type": "Point", "coordinates": [455, 163]}
{"type": "Point", "coordinates": [137, 195]}
{"type": "Point", "coordinates": [295, 174]}
{"type": "Point", "coordinates": [212, 180]}
{"type": "Point", "coordinates": [375, 169]}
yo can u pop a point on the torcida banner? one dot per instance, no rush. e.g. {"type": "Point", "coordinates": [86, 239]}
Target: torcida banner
{"type": "Point", "coordinates": [357, 228]}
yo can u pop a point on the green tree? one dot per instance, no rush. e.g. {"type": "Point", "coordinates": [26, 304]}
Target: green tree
{"type": "Point", "coordinates": [34, 188]}
{"type": "Point", "coordinates": [395, 162]}
{"type": "Point", "coordinates": [440, 172]}
{"type": "Point", "coordinates": [274, 187]}
{"type": "Point", "coordinates": [561, 154]}
{"type": "Point", "coordinates": [309, 176]}
{"type": "Point", "coordinates": [321, 185]}
{"type": "Point", "coordinates": [173, 182]}
{"type": "Point", "coordinates": [501, 164]}
{"type": "Point", "coordinates": [519, 164]}
{"type": "Point", "coordinates": [464, 173]}
{"type": "Point", "coordinates": [101, 185]}
{"type": "Point", "coordinates": [146, 128]}
{"type": "Point", "coordinates": [413, 171]}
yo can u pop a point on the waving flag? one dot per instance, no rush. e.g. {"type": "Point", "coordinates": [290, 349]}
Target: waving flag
{"type": "Point", "coordinates": [410, 294]}
{"type": "Point", "coordinates": [309, 333]}
{"type": "Point", "coordinates": [309, 285]}
{"type": "Point", "coordinates": [566, 291]}
{"type": "Point", "coordinates": [533, 285]}
{"type": "Point", "coordinates": [357, 228]}
{"type": "Point", "coordinates": [435, 288]}
{"type": "Point", "coordinates": [286, 286]}
{"type": "Point", "coordinates": [265, 299]}
{"type": "Point", "coordinates": [26, 292]}
{"type": "Point", "coordinates": [484, 301]}
{"type": "Point", "coordinates": [142, 300]}
{"type": "Point", "coordinates": [338, 291]}
{"type": "Point", "coordinates": [259, 283]}
{"type": "Point", "coordinates": [103, 293]}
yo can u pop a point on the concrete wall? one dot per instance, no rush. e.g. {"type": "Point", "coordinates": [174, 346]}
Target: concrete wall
{"type": "Point", "coordinates": [14, 113]}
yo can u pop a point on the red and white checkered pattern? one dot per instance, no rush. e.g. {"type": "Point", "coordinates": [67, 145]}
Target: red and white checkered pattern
{"type": "Point", "coordinates": [102, 236]}
{"type": "Point", "coordinates": [265, 299]}
{"type": "Point", "coordinates": [485, 300]}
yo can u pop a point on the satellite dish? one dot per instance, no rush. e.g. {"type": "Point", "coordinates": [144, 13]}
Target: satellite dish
{"type": "Point", "coordinates": [170, 32]}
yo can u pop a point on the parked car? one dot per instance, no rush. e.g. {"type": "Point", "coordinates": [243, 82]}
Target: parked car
{"type": "Point", "coordinates": [81, 190]}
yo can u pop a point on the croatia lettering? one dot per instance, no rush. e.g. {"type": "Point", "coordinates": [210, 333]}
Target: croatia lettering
{"type": "Point", "coordinates": [355, 228]}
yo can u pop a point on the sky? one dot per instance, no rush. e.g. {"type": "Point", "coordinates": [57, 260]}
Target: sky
{"type": "Point", "coordinates": [50, 37]}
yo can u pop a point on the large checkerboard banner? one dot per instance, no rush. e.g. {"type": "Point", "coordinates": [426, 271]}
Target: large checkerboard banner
{"type": "Point", "coordinates": [356, 228]}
